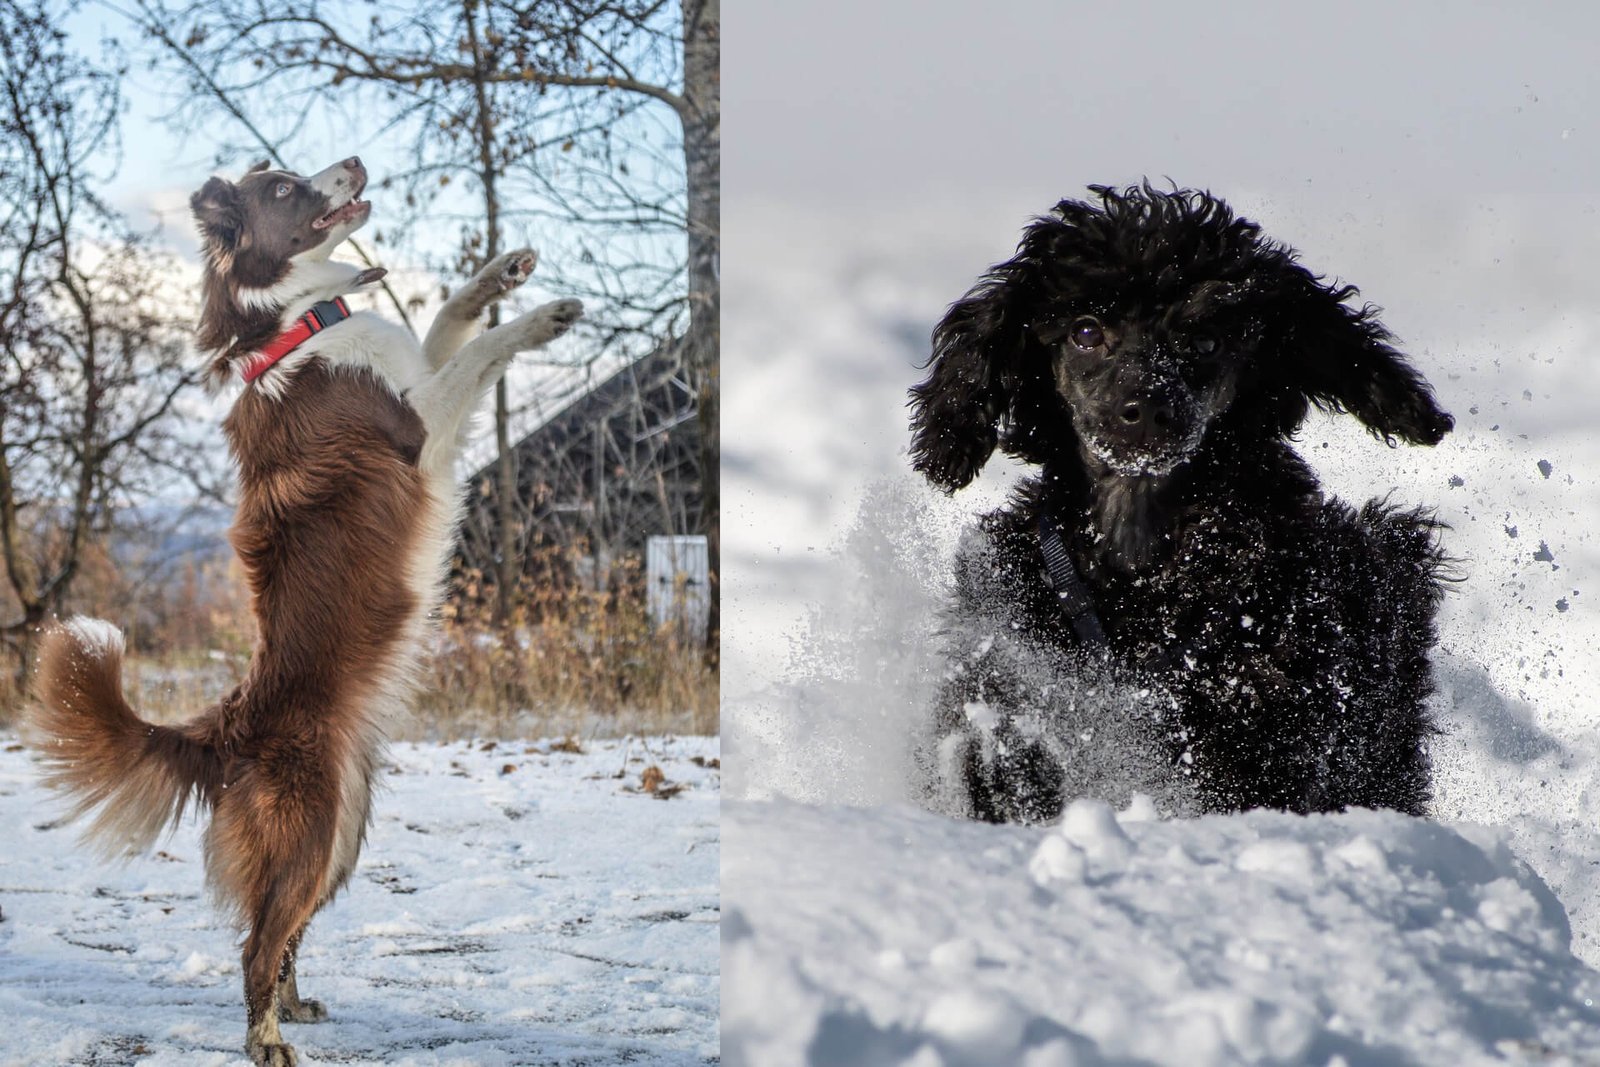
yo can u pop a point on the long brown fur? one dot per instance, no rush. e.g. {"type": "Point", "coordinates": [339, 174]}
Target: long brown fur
{"type": "Point", "coordinates": [327, 520]}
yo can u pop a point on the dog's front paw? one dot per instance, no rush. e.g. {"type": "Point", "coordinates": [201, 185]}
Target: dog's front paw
{"type": "Point", "coordinates": [272, 1054]}
{"type": "Point", "coordinates": [562, 314]}
{"type": "Point", "coordinates": [513, 268]}
{"type": "Point", "coordinates": [548, 321]}
{"type": "Point", "coordinates": [302, 1011]}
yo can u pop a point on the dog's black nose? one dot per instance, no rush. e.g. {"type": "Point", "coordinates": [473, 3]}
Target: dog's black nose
{"type": "Point", "coordinates": [353, 163]}
{"type": "Point", "coordinates": [1149, 412]}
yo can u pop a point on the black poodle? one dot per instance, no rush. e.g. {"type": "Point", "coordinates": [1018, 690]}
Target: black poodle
{"type": "Point", "coordinates": [1174, 587]}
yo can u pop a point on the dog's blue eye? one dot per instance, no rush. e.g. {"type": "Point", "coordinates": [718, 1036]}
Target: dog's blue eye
{"type": "Point", "coordinates": [283, 188]}
{"type": "Point", "coordinates": [1087, 334]}
{"type": "Point", "coordinates": [1203, 343]}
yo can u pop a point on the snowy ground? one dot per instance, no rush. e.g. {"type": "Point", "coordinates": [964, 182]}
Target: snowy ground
{"type": "Point", "coordinates": [859, 938]}
{"type": "Point", "coordinates": [514, 905]}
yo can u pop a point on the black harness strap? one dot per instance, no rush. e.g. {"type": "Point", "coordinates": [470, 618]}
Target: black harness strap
{"type": "Point", "coordinates": [1076, 603]}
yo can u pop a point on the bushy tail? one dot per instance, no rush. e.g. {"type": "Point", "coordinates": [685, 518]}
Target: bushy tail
{"type": "Point", "coordinates": [137, 778]}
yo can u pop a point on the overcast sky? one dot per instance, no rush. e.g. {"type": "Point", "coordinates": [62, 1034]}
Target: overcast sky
{"type": "Point", "coordinates": [835, 100]}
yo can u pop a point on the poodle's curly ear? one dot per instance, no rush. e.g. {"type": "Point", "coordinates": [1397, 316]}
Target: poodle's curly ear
{"type": "Point", "coordinates": [959, 412]}
{"type": "Point", "coordinates": [1340, 358]}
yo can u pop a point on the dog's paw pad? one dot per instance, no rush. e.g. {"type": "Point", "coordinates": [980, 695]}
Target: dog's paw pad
{"type": "Point", "coordinates": [563, 313]}
{"type": "Point", "coordinates": [514, 268]}
{"type": "Point", "coordinates": [306, 1011]}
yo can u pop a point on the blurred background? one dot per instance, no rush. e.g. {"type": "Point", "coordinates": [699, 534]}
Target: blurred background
{"type": "Point", "coordinates": [1440, 156]}
{"type": "Point", "coordinates": [583, 595]}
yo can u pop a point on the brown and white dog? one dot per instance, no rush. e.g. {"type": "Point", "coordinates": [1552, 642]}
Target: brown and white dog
{"type": "Point", "coordinates": [345, 436]}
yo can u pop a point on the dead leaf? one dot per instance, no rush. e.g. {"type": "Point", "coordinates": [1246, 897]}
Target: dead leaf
{"type": "Point", "coordinates": [651, 778]}
{"type": "Point", "coordinates": [508, 768]}
{"type": "Point", "coordinates": [713, 763]}
{"type": "Point", "coordinates": [567, 744]}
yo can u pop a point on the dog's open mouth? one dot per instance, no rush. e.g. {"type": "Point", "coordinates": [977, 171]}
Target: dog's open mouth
{"type": "Point", "coordinates": [342, 214]}
{"type": "Point", "coordinates": [350, 208]}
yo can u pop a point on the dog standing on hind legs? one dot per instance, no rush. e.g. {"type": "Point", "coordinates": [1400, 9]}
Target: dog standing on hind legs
{"type": "Point", "coordinates": [345, 436]}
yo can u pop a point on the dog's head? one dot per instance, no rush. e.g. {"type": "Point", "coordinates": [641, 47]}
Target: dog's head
{"type": "Point", "coordinates": [267, 239]}
{"type": "Point", "coordinates": [257, 225]}
{"type": "Point", "coordinates": [1125, 331]}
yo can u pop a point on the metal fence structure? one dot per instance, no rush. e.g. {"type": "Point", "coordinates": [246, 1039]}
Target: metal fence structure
{"type": "Point", "coordinates": [595, 481]}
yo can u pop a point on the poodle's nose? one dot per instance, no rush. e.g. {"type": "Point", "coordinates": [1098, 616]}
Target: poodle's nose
{"type": "Point", "coordinates": [1147, 413]}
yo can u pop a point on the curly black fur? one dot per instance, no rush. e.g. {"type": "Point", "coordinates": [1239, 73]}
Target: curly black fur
{"type": "Point", "coordinates": [1154, 352]}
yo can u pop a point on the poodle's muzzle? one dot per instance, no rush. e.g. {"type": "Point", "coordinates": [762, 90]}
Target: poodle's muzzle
{"type": "Point", "coordinates": [1139, 413]}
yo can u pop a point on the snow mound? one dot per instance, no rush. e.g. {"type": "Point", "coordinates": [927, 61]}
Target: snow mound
{"type": "Point", "coordinates": [892, 936]}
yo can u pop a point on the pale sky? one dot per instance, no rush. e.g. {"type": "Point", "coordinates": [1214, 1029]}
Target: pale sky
{"type": "Point", "coordinates": [837, 100]}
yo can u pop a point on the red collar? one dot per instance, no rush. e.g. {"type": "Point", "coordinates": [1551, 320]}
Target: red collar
{"type": "Point", "coordinates": [319, 318]}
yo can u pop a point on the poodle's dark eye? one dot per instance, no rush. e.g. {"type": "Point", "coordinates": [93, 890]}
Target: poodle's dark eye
{"type": "Point", "coordinates": [1203, 344]}
{"type": "Point", "coordinates": [1086, 334]}
{"type": "Point", "coordinates": [283, 189]}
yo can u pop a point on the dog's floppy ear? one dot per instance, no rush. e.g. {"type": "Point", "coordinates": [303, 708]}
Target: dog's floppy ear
{"type": "Point", "coordinates": [959, 412]}
{"type": "Point", "coordinates": [1341, 359]}
{"type": "Point", "coordinates": [217, 209]}
{"type": "Point", "coordinates": [259, 167]}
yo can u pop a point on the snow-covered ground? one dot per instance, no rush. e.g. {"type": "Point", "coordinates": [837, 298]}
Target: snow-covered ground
{"type": "Point", "coordinates": [514, 905]}
{"type": "Point", "coordinates": [860, 938]}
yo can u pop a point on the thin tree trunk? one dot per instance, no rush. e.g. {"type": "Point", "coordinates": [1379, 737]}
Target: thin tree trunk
{"type": "Point", "coordinates": [702, 145]}
{"type": "Point", "coordinates": [507, 558]}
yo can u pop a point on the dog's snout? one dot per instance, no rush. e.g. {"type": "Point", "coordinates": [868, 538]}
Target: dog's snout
{"type": "Point", "coordinates": [353, 163]}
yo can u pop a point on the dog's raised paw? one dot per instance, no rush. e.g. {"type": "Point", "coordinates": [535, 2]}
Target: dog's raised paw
{"type": "Point", "coordinates": [563, 313]}
{"type": "Point", "coordinates": [514, 268]}
{"type": "Point", "coordinates": [305, 1011]}
{"type": "Point", "coordinates": [545, 323]}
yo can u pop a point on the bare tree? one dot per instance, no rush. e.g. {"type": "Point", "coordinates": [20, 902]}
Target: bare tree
{"type": "Point", "coordinates": [604, 115]}
{"type": "Point", "coordinates": [92, 362]}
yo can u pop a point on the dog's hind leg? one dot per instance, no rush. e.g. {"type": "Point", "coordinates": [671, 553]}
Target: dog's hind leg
{"type": "Point", "coordinates": [284, 909]}
{"type": "Point", "coordinates": [292, 1009]}
{"type": "Point", "coordinates": [460, 313]}
{"type": "Point", "coordinates": [271, 841]}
